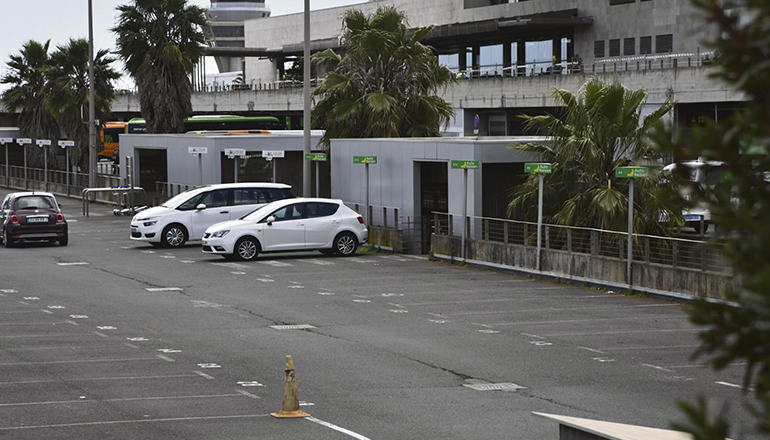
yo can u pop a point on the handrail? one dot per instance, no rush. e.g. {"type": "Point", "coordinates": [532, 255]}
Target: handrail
{"type": "Point", "coordinates": [121, 189]}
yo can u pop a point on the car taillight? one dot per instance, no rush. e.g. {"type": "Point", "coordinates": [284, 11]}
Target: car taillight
{"type": "Point", "coordinates": [14, 220]}
{"type": "Point", "coordinates": [360, 220]}
{"type": "Point", "coordinates": [59, 218]}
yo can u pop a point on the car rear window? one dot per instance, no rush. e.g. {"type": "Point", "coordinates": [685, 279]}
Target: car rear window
{"type": "Point", "coordinates": [249, 196]}
{"type": "Point", "coordinates": [35, 202]}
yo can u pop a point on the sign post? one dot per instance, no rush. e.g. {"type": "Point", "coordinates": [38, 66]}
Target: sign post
{"type": "Point", "coordinates": [5, 142]}
{"type": "Point", "coordinates": [235, 153]}
{"type": "Point", "coordinates": [630, 173]}
{"type": "Point", "coordinates": [317, 157]}
{"type": "Point", "coordinates": [65, 144]}
{"type": "Point", "coordinates": [43, 143]}
{"type": "Point", "coordinates": [23, 142]}
{"type": "Point", "coordinates": [269, 156]}
{"type": "Point", "coordinates": [366, 160]}
{"type": "Point", "coordinates": [465, 165]}
{"type": "Point", "coordinates": [540, 169]}
{"type": "Point", "coordinates": [199, 151]}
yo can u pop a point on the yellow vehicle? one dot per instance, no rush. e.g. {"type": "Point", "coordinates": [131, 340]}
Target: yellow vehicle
{"type": "Point", "coordinates": [110, 135]}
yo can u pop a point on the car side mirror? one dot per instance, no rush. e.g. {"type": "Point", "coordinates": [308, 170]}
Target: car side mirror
{"type": "Point", "coordinates": [200, 207]}
{"type": "Point", "coordinates": [270, 220]}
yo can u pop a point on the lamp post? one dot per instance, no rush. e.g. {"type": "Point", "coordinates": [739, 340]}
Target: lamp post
{"type": "Point", "coordinates": [306, 113]}
{"type": "Point", "coordinates": [91, 103]}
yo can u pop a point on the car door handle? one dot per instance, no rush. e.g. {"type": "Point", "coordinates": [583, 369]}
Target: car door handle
{"type": "Point", "coordinates": [224, 212]}
{"type": "Point", "coordinates": [300, 225]}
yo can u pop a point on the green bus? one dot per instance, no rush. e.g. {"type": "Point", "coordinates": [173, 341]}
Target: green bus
{"type": "Point", "coordinates": [224, 123]}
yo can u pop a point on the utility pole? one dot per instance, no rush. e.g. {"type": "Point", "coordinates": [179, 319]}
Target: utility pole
{"type": "Point", "coordinates": [306, 114]}
{"type": "Point", "coordinates": [91, 101]}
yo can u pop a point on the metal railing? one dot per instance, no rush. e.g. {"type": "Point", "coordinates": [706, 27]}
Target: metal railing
{"type": "Point", "coordinates": [37, 178]}
{"type": "Point", "coordinates": [668, 251]}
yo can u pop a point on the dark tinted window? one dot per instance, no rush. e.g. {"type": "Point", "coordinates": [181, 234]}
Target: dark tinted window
{"type": "Point", "coordinates": [216, 198]}
{"type": "Point", "coordinates": [291, 212]}
{"type": "Point", "coordinates": [279, 194]}
{"type": "Point", "coordinates": [320, 209]}
{"type": "Point", "coordinates": [249, 196]}
{"type": "Point", "coordinates": [191, 203]}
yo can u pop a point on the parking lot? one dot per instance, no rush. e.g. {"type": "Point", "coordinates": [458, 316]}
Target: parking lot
{"type": "Point", "coordinates": [109, 338]}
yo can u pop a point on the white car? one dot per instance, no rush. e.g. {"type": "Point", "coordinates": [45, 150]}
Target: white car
{"type": "Point", "coordinates": [300, 224]}
{"type": "Point", "coordinates": [187, 215]}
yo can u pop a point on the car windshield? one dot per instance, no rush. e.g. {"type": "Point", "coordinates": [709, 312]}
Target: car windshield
{"type": "Point", "coordinates": [258, 214]}
{"type": "Point", "coordinates": [35, 202]}
{"type": "Point", "coordinates": [180, 198]}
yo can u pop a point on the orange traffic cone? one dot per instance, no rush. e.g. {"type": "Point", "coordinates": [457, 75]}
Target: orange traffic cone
{"type": "Point", "coordinates": [290, 397]}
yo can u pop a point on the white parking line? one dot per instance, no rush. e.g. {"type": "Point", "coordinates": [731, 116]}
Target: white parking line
{"type": "Point", "coordinates": [83, 361]}
{"type": "Point", "coordinates": [127, 399]}
{"type": "Point", "coordinates": [336, 428]}
{"type": "Point", "coordinates": [119, 422]}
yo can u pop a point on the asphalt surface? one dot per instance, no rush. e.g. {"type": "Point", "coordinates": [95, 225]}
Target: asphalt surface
{"type": "Point", "coordinates": [111, 338]}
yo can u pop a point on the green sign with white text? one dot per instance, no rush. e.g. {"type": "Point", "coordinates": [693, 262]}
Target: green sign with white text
{"type": "Point", "coordinates": [465, 165]}
{"type": "Point", "coordinates": [538, 168]}
{"type": "Point", "coordinates": [316, 157]}
{"type": "Point", "coordinates": [365, 159]}
{"type": "Point", "coordinates": [632, 172]}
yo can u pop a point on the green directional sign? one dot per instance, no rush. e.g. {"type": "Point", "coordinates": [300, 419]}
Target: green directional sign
{"type": "Point", "coordinates": [538, 168]}
{"type": "Point", "coordinates": [365, 159]}
{"type": "Point", "coordinates": [632, 172]}
{"type": "Point", "coordinates": [465, 164]}
{"type": "Point", "coordinates": [316, 157]}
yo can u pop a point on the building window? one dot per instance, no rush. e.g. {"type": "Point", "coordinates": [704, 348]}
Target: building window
{"type": "Point", "coordinates": [664, 43]}
{"type": "Point", "coordinates": [615, 47]}
{"type": "Point", "coordinates": [629, 46]}
{"type": "Point", "coordinates": [645, 45]}
{"type": "Point", "coordinates": [599, 49]}
{"type": "Point", "coordinates": [621, 2]}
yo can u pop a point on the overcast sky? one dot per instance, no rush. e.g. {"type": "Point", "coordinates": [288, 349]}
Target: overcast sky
{"type": "Point", "coordinates": [60, 20]}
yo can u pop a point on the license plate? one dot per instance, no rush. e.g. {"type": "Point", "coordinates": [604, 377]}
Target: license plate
{"type": "Point", "coordinates": [692, 217]}
{"type": "Point", "coordinates": [37, 219]}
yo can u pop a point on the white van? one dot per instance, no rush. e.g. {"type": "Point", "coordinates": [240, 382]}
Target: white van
{"type": "Point", "coordinates": [186, 216]}
{"type": "Point", "coordinates": [706, 174]}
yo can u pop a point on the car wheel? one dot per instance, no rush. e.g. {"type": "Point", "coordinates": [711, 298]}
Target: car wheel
{"type": "Point", "coordinates": [7, 240]}
{"type": "Point", "coordinates": [246, 249]}
{"type": "Point", "coordinates": [64, 241]}
{"type": "Point", "coordinates": [174, 236]}
{"type": "Point", "coordinates": [345, 244]}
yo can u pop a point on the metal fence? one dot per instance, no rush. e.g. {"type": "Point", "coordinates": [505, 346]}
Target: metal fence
{"type": "Point", "coordinates": [57, 180]}
{"type": "Point", "coordinates": [669, 251]}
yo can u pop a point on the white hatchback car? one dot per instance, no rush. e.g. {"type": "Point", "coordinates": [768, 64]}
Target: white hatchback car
{"type": "Point", "coordinates": [187, 215]}
{"type": "Point", "coordinates": [300, 224]}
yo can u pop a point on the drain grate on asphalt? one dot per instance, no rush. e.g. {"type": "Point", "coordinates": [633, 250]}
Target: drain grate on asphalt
{"type": "Point", "coordinates": [292, 327]}
{"type": "Point", "coordinates": [486, 386]}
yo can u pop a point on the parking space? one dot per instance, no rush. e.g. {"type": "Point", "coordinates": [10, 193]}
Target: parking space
{"type": "Point", "coordinates": [108, 338]}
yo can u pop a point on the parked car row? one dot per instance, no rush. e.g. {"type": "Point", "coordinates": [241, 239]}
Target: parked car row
{"type": "Point", "coordinates": [242, 220]}
{"type": "Point", "coordinates": [236, 221]}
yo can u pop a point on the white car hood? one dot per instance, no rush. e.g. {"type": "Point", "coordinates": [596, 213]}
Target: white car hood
{"type": "Point", "coordinates": [155, 211]}
{"type": "Point", "coordinates": [229, 224]}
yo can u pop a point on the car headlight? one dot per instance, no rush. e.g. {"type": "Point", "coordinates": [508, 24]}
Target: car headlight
{"type": "Point", "coordinates": [150, 221]}
{"type": "Point", "coordinates": [220, 234]}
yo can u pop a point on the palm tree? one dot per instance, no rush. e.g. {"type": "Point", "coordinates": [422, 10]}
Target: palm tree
{"type": "Point", "coordinates": [67, 92]}
{"type": "Point", "coordinates": [26, 76]}
{"type": "Point", "coordinates": [385, 84]}
{"type": "Point", "coordinates": [602, 128]}
{"type": "Point", "coordinates": [160, 41]}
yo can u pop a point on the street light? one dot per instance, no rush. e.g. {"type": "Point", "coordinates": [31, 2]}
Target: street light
{"type": "Point", "coordinates": [91, 103]}
{"type": "Point", "coordinates": [306, 114]}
